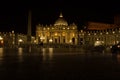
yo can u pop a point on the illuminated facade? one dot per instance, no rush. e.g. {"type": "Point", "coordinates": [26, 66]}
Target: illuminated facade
{"type": "Point", "coordinates": [11, 39]}
{"type": "Point", "coordinates": [100, 33]}
{"type": "Point", "coordinates": [107, 36]}
{"type": "Point", "coordinates": [95, 33]}
{"type": "Point", "coordinates": [59, 33]}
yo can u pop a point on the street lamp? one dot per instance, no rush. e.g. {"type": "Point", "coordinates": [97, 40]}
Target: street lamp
{"type": "Point", "coordinates": [50, 40]}
{"type": "Point", "coordinates": [20, 41]}
{"type": "Point", "coordinates": [1, 40]}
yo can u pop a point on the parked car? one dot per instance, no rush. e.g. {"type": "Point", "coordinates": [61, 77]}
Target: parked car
{"type": "Point", "coordinates": [115, 49]}
{"type": "Point", "coordinates": [99, 48]}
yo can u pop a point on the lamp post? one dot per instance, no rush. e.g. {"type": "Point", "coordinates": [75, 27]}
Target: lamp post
{"type": "Point", "coordinates": [20, 41]}
{"type": "Point", "coordinates": [1, 41]}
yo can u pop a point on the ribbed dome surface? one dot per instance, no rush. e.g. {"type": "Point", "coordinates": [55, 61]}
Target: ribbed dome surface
{"type": "Point", "coordinates": [61, 21]}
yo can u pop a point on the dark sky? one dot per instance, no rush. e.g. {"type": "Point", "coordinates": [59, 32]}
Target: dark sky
{"type": "Point", "coordinates": [13, 15]}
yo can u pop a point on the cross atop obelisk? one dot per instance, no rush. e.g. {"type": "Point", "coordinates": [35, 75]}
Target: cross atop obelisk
{"type": "Point", "coordinates": [29, 27]}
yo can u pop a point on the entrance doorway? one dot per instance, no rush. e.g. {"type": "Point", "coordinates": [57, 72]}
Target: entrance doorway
{"type": "Point", "coordinates": [73, 40]}
{"type": "Point", "coordinates": [55, 40]}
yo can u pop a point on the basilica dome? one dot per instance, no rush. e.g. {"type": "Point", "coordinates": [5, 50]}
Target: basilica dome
{"type": "Point", "coordinates": [61, 21]}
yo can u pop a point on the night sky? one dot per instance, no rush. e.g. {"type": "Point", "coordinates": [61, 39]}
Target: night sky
{"type": "Point", "coordinates": [13, 15]}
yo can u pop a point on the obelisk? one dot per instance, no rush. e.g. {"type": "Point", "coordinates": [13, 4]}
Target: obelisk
{"type": "Point", "coordinates": [29, 31]}
{"type": "Point", "coordinates": [29, 28]}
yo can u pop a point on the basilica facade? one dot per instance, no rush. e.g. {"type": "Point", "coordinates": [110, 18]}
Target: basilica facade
{"type": "Point", "coordinates": [94, 33]}
{"type": "Point", "coordinates": [59, 33]}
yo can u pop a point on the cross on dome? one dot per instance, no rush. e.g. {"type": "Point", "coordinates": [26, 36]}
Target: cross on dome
{"type": "Point", "coordinates": [61, 15]}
